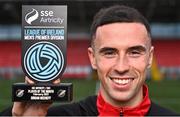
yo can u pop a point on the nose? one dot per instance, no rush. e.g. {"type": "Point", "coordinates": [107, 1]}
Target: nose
{"type": "Point", "coordinates": [122, 65]}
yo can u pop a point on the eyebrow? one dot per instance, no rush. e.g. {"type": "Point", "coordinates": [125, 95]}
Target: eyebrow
{"type": "Point", "coordinates": [138, 47]}
{"type": "Point", "coordinates": [104, 49]}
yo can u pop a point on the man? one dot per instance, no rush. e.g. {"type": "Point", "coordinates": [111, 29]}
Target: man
{"type": "Point", "coordinates": [121, 52]}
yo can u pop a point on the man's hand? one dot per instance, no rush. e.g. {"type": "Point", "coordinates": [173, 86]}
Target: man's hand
{"type": "Point", "coordinates": [31, 108]}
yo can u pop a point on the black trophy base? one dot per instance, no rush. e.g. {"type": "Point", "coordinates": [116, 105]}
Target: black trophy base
{"type": "Point", "coordinates": [42, 92]}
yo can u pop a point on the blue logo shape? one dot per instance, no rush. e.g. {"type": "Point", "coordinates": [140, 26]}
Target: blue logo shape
{"type": "Point", "coordinates": [43, 61]}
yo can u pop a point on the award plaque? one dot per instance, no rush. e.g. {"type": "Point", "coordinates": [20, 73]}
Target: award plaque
{"type": "Point", "coordinates": [44, 39]}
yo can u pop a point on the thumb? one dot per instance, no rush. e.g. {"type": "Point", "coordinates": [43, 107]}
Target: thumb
{"type": "Point", "coordinates": [18, 108]}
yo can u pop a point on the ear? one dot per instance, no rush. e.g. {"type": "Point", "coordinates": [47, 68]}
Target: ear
{"type": "Point", "coordinates": [92, 59]}
{"type": "Point", "coordinates": [151, 57]}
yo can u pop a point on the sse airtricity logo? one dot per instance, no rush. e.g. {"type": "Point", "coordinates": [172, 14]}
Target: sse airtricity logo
{"type": "Point", "coordinates": [43, 61]}
{"type": "Point", "coordinates": [31, 16]}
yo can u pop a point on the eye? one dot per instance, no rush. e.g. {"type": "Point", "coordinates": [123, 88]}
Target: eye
{"type": "Point", "coordinates": [109, 53]}
{"type": "Point", "coordinates": [135, 53]}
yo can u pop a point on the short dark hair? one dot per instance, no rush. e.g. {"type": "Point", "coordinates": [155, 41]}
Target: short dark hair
{"type": "Point", "coordinates": [117, 13]}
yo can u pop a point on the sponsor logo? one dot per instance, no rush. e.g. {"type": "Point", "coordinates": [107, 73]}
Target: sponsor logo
{"type": "Point", "coordinates": [19, 92]}
{"type": "Point", "coordinates": [31, 16]}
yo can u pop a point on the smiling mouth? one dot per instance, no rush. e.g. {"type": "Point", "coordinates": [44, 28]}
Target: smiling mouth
{"type": "Point", "coordinates": [122, 81]}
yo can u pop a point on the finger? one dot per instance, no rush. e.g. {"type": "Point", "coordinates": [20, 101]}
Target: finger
{"type": "Point", "coordinates": [29, 81]}
{"type": "Point", "coordinates": [57, 81]}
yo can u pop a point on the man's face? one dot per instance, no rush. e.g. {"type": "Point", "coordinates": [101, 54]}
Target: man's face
{"type": "Point", "coordinates": [121, 55]}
